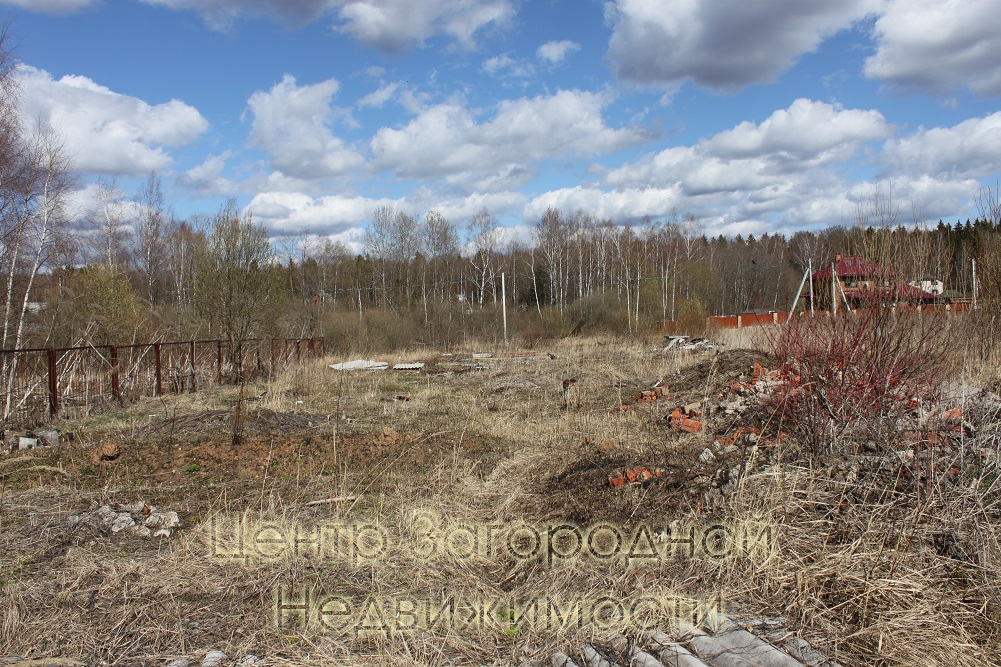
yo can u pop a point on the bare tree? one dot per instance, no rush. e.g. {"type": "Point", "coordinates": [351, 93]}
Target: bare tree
{"type": "Point", "coordinates": [237, 286]}
{"type": "Point", "coordinates": [151, 220]}
{"type": "Point", "coordinates": [482, 233]}
{"type": "Point", "coordinates": [109, 220]}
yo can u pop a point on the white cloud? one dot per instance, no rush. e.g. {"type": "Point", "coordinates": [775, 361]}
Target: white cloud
{"type": "Point", "coordinates": [105, 131]}
{"type": "Point", "coordinates": [506, 65]}
{"type": "Point", "coordinates": [388, 25]}
{"type": "Point", "coordinates": [556, 52]}
{"type": "Point", "coordinates": [292, 212]}
{"type": "Point", "coordinates": [939, 45]}
{"type": "Point", "coordinates": [379, 97]}
{"type": "Point", "coordinates": [724, 44]}
{"type": "Point", "coordinates": [615, 205]}
{"type": "Point", "coordinates": [808, 131]}
{"type": "Point", "coordinates": [392, 25]}
{"type": "Point", "coordinates": [206, 179]}
{"type": "Point", "coordinates": [446, 139]}
{"type": "Point", "coordinates": [291, 123]}
{"type": "Point", "coordinates": [49, 6]}
{"type": "Point", "coordinates": [970, 149]}
{"type": "Point", "coordinates": [791, 172]}
{"type": "Point", "coordinates": [807, 135]}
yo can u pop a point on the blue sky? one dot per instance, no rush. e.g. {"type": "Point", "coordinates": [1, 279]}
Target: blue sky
{"type": "Point", "coordinates": [774, 115]}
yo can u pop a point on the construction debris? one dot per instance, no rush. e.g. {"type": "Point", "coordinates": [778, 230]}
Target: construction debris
{"type": "Point", "coordinates": [634, 476]}
{"type": "Point", "coordinates": [136, 519]}
{"type": "Point", "coordinates": [761, 642]}
{"type": "Point", "coordinates": [687, 344]}
{"type": "Point", "coordinates": [413, 366]}
{"type": "Point", "coordinates": [686, 418]}
{"type": "Point", "coordinates": [360, 365]}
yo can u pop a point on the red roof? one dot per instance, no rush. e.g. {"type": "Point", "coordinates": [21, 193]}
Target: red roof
{"type": "Point", "coordinates": [854, 267]}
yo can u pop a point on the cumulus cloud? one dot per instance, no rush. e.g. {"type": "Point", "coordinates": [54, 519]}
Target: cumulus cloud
{"type": "Point", "coordinates": [446, 139]}
{"type": "Point", "coordinates": [206, 179]}
{"type": "Point", "coordinates": [291, 212]}
{"type": "Point", "coordinates": [724, 44]}
{"type": "Point", "coordinates": [388, 25]}
{"type": "Point", "coordinates": [49, 6]}
{"type": "Point", "coordinates": [970, 149]}
{"type": "Point", "coordinates": [806, 135]}
{"type": "Point", "coordinates": [392, 25]}
{"type": "Point", "coordinates": [787, 173]}
{"type": "Point", "coordinates": [105, 131]}
{"type": "Point", "coordinates": [556, 52]}
{"type": "Point", "coordinates": [808, 131]}
{"type": "Point", "coordinates": [616, 205]}
{"type": "Point", "coordinates": [291, 123]}
{"type": "Point", "coordinates": [938, 46]}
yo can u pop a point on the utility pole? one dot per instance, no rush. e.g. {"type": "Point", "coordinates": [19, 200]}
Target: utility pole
{"type": "Point", "coordinates": [809, 268]}
{"type": "Point", "coordinates": [504, 304]}
{"type": "Point", "coordinates": [974, 262]}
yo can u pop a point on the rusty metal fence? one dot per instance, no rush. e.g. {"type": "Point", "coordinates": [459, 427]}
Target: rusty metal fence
{"type": "Point", "coordinates": [40, 384]}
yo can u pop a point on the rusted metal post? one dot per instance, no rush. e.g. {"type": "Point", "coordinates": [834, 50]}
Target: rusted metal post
{"type": "Point", "coordinates": [218, 361]}
{"type": "Point", "coordinates": [53, 384]}
{"type": "Point", "coordinates": [116, 390]}
{"type": "Point", "coordinates": [159, 371]}
{"type": "Point", "coordinates": [194, 383]}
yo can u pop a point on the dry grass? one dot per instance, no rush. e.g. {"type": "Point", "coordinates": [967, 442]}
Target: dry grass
{"type": "Point", "coordinates": [856, 566]}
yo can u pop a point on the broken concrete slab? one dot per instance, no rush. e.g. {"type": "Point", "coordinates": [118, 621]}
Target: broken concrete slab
{"type": "Point", "coordinates": [361, 365]}
{"type": "Point", "coordinates": [48, 437]}
{"type": "Point", "coordinates": [137, 519]}
{"type": "Point", "coordinates": [410, 366]}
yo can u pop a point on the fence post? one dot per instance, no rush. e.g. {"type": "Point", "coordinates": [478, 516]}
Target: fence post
{"type": "Point", "coordinates": [53, 384]}
{"type": "Point", "coordinates": [159, 370]}
{"type": "Point", "coordinates": [218, 360]}
{"type": "Point", "coordinates": [116, 390]}
{"type": "Point", "coordinates": [194, 380]}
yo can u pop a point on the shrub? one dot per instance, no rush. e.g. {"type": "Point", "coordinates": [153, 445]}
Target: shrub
{"type": "Point", "coordinates": [849, 380]}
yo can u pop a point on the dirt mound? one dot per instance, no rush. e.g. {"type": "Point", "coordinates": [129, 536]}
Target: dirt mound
{"type": "Point", "coordinates": [712, 376]}
{"type": "Point", "coordinates": [580, 492]}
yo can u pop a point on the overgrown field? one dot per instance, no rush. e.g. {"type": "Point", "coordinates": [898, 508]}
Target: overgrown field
{"type": "Point", "coordinates": [333, 517]}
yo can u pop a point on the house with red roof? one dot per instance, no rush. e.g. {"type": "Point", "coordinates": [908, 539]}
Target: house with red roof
{"type": "Point", "coordinates": [858, 282]}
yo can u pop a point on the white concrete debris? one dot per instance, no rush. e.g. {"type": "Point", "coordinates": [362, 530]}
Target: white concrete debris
{"type": "Point", "coordinates": [137, 519]}
{"type": "Point", "coordinates": [27, 443]}
{"type": "Point", "coordinates": [415, 366]}
{"type": "Point", "coordinates": [179, 662]}
{"type": "Point", "coordinates": [49, 437]}
{"type": "Point", "coordinates": [361, 365]}
{"type": "Point", "coordinates": [213, 659]}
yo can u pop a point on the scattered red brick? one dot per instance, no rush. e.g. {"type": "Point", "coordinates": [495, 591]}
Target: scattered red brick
{"type": "Point", "coordinates": [634, 476]}
{"type": "Point", "coordinates": [686, 419]}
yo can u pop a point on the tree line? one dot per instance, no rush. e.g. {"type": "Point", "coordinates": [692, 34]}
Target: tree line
{"type": "Point", "coordinates": [128, 269]}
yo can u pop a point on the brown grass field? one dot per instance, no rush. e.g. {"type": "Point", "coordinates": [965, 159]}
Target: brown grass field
{"type": "Point", "coordinates": [365, 489]}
